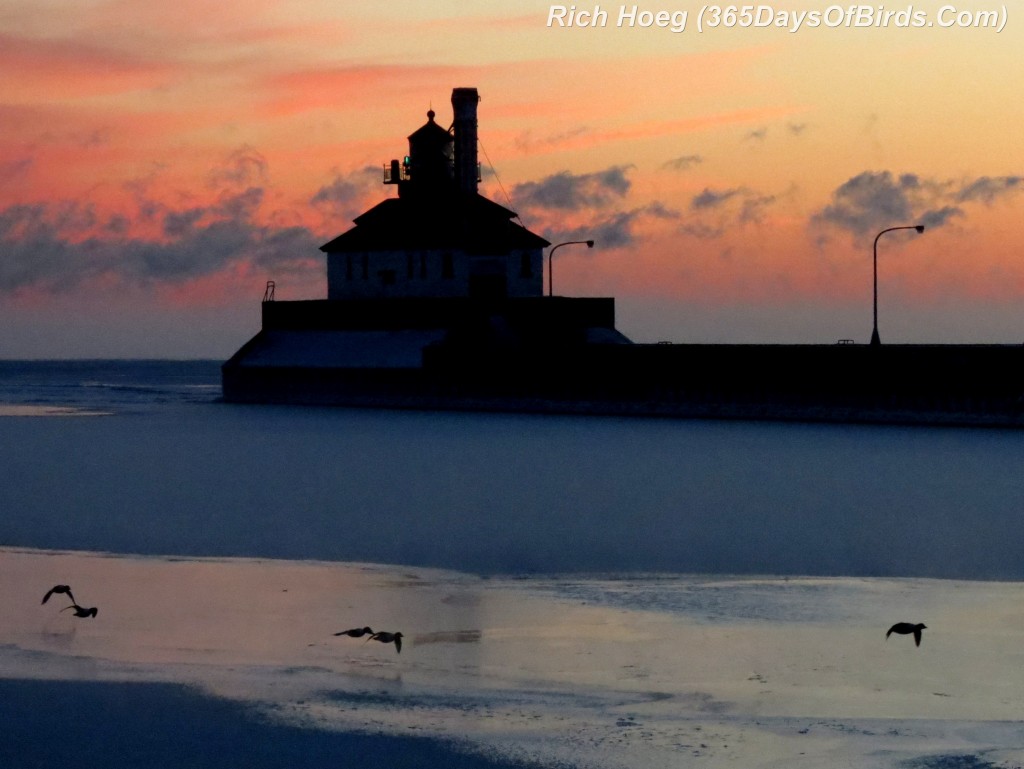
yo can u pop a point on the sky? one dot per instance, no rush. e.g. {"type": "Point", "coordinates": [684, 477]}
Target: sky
{"type": "Point", "coordinates": [160, 162]}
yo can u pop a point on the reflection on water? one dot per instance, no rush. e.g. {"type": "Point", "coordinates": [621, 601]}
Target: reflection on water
{"type": "Point", "coordinates": [552, 669]}
{"type": "Point", "coordinates": [448, 637]}
{"type": "Point", "coordinates": [30, 410]}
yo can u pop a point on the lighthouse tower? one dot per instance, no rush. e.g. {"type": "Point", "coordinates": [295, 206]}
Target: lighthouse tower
{"type": "Point", "coordinates": [439, 237]}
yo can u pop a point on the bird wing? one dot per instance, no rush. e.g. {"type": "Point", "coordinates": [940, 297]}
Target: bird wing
{"type": "Point", "coordinates": [48, 594]}
{"type": "Point", "coordinates": [398, 644]}
{"type": "Point", "coordinates": [917, 637]}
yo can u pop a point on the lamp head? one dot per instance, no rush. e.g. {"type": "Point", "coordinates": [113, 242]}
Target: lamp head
{"type": "Point", "coordinates": [590, 243]}
{"type": "Point", "coordinates": [919, 228]}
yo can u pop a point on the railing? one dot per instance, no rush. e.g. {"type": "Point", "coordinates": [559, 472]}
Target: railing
{"type": "Point", "coordinates": [268, 292]}
{"type": "Point", "coordinates": [395, 172]}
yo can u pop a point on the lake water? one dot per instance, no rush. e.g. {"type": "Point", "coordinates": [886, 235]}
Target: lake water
{"type": "Point", "coordinates": [140, 457]}
{"type": "Point", "coordinates": [575, 591]}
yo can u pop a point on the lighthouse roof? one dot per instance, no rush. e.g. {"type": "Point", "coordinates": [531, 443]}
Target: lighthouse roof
{"type": "Point", "coordinates": [468, 222]}
{"type": "Point", "coordinates": [431, 131]}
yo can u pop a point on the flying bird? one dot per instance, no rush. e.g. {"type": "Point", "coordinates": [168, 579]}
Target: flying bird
{"type": "Point", "coordinates": [81, 611]}
{"type": "Point", "coordinates": [906, 628]}
{"type": "Point", "coordinates": [387, 638]}
{"type": "Point", "coordinates": [65, 589]}
{"type": "Point", "coordinates": [357, 632]}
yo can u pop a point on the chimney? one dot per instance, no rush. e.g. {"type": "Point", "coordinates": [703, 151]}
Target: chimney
{"type": "Point", "coordinates": [464, 101]}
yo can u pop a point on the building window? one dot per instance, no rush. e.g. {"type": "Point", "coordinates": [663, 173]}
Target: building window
{"type": "Point", "coordinates": [447, 266]}
{"type": "Point", "coordinates": [525, 266]}
{"type": "Point", "coordinates": [423, 265]}
{"type": "Point", "coordinates": [366, 266]}
{"type": "Point", "coordinates": [410, 267]}
{"type": "Point", "coordinates": [348, 266]}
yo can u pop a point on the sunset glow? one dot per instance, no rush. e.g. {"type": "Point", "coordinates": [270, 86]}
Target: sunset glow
{"type": "Point", "coordinates": [161, 161]}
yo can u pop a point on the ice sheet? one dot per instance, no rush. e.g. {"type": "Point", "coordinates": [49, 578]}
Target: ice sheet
{"type": "Point", "coordinates": [655, 671]}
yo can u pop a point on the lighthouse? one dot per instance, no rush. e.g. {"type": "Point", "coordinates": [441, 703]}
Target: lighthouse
{"type": "Point", "coordinates": [439, 237]}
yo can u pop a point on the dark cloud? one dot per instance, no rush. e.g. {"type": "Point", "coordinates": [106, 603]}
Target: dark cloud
{"type": "Point", "coordinates": [610, 231]}
{"type": "Point", "coordinates": [245, 167]}
{"type": "Point", "coordinates": [118, 224]}
{"type": "Point", "coordinates": [285, 249]}
{"type": "Point", "coordinates": [573, 192]}
{"type": "Point", "coordinates": [683, 163]}
{"type": "Point", "coordinates": [872, 201]}
{"type": "Point", "coordinates": [988, 189]}
{"type": "Point", "coordinates": [75, 218]}
{"type": "Point", "coordinates": [596, 202]}
{"type": "Point", "coordinates": [527, 142]}
{"type": "Point", "coordinates": [178, 223]}
{"type": "Point", "coordinates": [753, 207]}
{"type": "Point", "coordinates": [659, 210]}
{"type": "Point", "coordinates": [345, 192]}
{"type": "Point", "coordinates": [244, 205]}
{"type": "Point", "coordinates": [33, 252]}
{"type": "Point", "coordinates": [937, 217]}
{"type": "Point", "coordinates": [340, 191]}
{"type": "Point", "coordinates": [13, 170]}
{"type": "Point", "coordinates": [703, 230]}
{"type": "Point", "coordinates": [41, 246]}
{"type": "Point", "coordinates": [613, 230]}
{"type": "Point", "coordinates": [712, 199]}
{"type": "Point", "coordinates": [202, 250]}
{"type": "Point", "coordinates": [716, 211]}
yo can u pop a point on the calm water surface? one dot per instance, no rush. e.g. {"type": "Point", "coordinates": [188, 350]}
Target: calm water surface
{"type": "Point", "coordinates": [141, 457]}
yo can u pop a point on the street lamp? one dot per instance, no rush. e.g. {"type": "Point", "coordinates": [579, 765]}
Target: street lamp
{"type": "Point", "coordinates": [875, 341]}
{"type": "Point", "coordinates": [551, 253]}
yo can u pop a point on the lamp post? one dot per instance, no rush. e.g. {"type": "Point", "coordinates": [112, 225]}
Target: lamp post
{"type": "Point", "coordinates": [875, 341]}
{"type": "Point", "coordinates": [551, 254]}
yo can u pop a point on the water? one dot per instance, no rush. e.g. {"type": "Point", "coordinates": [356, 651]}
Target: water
{"type": "Point", "coordinates": [168, 469]}
{"type": "Point", "coordinates": [118, 387]}
{"type": "Point", "coordinates": [615, 594]}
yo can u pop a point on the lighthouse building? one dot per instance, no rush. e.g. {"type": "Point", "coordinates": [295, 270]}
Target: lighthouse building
{"type": "Point", "coordinates": [439, 237]}
{"type": "Point", "coordinates": [433, 292]}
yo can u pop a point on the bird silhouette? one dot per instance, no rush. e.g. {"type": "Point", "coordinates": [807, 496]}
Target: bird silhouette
{"type": "Point", "coordinates": [81, 611]}
{"type": "Point", "coordinates": [906, 628]}
{"type": "Point", "coordinates": [387, 638]}
{"type": "Point", "coordinates": [65, 589]}
{"type": "Point", "coordinates": [357, 632]}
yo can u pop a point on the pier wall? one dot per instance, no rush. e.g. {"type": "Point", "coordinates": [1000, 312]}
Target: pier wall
{"type": "Point", "coordinates": [538, 355]}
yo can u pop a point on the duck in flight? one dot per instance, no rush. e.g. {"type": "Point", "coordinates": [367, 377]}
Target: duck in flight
{"type": "Point", "coordinates": [906, 628]}
{"type": "Point", "coordinates": [387, 638]}
{"type": "Point", "coordinates": [357, 632]}
{"type": "Point", "coordinates": [81, 611]}
{"type": "Point", "coordinates": [65, 589]}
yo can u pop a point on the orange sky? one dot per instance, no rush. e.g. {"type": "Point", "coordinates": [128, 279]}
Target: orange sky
{"type": "Point", "coordinates": [160, 161]}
